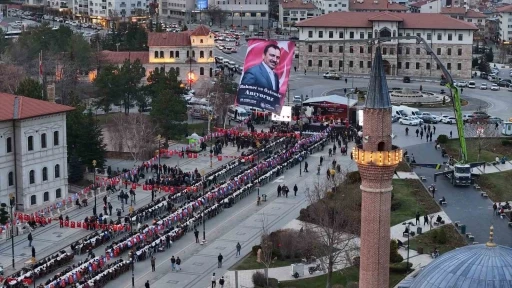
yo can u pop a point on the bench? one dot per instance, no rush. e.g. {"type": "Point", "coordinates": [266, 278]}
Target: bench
{"type": "Point", "coordinates": [456, 223]}
{"type": "Point", "coordinates": [423, 178]}
{"type": "Point", "coordinates": [483, 194]}
{"type": "Point", "coordinates": [477, 187]}
{"type": "Point", "coordinates": [468, 235]}
{"type": "Point", "coordinates": [443, 203]}
{"type": "Point", "coordinates": [471, 237]}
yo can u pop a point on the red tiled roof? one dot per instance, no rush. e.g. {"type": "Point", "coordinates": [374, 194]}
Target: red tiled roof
{"type": "Point", "coordinates": [27, 107]}
{"type": "Point", "coordinates": [419, 3]}
{"type": "Point", "coordinates": [409, 21]}
{"type": "Point", "coordinates": [169, 39]}
{"type": "Point", "coordinates": [201, 31]}
{"type": "Point", "coordinates": [114, 57]}
{"type": "Point", "coordinates": [297, 4]}
{"type": "Point", "coordinates": [380, 5]}
{"type": "Point", "coordinates": [453, 10]}
{"type": "Point", "coordinates": [475, 14]}
{"type": "Point", "coordinates": [507, 8]}
{"type": "Point", "coordinates": [386, 16]}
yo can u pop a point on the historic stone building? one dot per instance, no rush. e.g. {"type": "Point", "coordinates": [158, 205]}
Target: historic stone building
{"type": "Point", "coordinates": [339, 41]}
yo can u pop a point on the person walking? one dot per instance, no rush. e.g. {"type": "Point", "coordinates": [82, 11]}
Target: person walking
{"type": "Point", "coordinates": [219, 258]}
{"type": "Point", "coordinates": [418, 217]}
{"type": "Point", "coordinates": [279, 189]}
{"type": "Point", "coordinates": [425, 219]}
{"type": "Point", "coordinates": [214, 279]}
{"type": "Point", "coordinates": [295, 190]}
{"type": "Point", "coordinates": [147, 284]}
{"type": "Point", "coordinates": [178, 263]}
{"type": "Point", "coordinates": [321, 160]}
{"type": "Point", "coordinates": [153, 259]}
{"type": "Point", "coordinates": [110, 208]}
{"type": "Point", "coordinates": [306, 166]}
{"type": "Point", "coordinates": [152, 195]}
{"type": "Point", "coordinates": [421, 134]}
{"type": "Point", "coordinates": [434, 127]}
{"type": "Point", "coordinates": [238, 248]}
{"type": "Point", "coordinates": [406, 131]}
{"type": "Point", "coordinates": [29, 238]}
{"type": "Point", "coordinates": [196, 233]}
{"type": "Point", "coordinates": [173, 263]}
{"type": "Point", "coordinates": [221, 282]}
{"type": "Point", "coordinates": [417, 132]}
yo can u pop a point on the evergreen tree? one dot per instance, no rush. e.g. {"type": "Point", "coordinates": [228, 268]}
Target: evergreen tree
{"type": "Point", "coordinates": [489, 56]}
{"type": "Point", "coordinates": [30, 88]}
{"type": "Point", "coordinates": [169, 112]}
{"type": "Point", "coordinates": [76, 171]}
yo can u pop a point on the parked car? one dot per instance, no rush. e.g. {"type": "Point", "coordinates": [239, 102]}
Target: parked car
{"type": "Point", "coordinates": [409, 121]}
{"type": "Point", "coordinates": [332, 75]}
{"type": "Point", "coordinates": [429, 119]}
{"type": "Point", "coordinates": [484, 75]}
{"type": "Point", "coordinates": [480, 115]}
{"type": "Point", "coordinates": [407, 79]}
{"type": "Point", "coordinates": [468, 118]}
{"type": "Point", "coordinates": [495, 87]}
{"type": "Point", "coordinates": [494, 120]}
{"type": "Point", "coordinates": [503, 84]}
{"type": "Point", "coordinates": [483, 86]}
{"type": "Point", "coordinates": [471, 84]}
{"type": "Point", "coordinates": [462, 84]}
{"type": "Point", "coordinates": [443, 82]}
{"type": "Point", "coordinates": [449, 120]}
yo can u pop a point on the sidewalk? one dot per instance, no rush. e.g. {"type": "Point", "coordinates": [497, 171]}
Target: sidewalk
{"type": "Point", "coordinates": [51, 238]}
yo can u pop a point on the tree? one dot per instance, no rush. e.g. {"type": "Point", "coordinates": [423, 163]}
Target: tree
{"type": "Point", "coordinates": [216, 14]}
{"type": "Point", "coordinates": [480, 132]}
{"type": "Point", "coordinates": [334, 208]}
{"type": "Point", "coordinates": [3, 43]}
{"type": "Point", "coordinates": [10, 77]}
{"type": "Point", "coordinates": [483, 65]}
{"type": "Point", "coordinates": [160, 81]}
{"type": "Point", "coordinates": [134, 133]}
{"type": "Point", "coordinates": [76, 171]}
{"type": "Point", "coordinates": [489, 56]}
{"type": "Point", "coordinates": [169, 112]}
{"type": "Point", "coordinates": [30, 88]}
{"type": "Point", "coordinates": [185, 28]}
{"type": "Point", "coordinates": [267, 248]}
{"type": "Point", "coordinates": [223, 95]}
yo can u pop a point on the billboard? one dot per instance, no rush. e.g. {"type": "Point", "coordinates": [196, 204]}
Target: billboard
{"type": "Point", "coordinates": [285, 116]}
{"type": "Point", "coordinates": [264, 81]}
{"type": "Point", "coordinates": [201, 4]}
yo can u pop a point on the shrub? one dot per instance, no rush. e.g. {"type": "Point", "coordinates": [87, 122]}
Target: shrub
{"type": "Point", "coordinates": [258, 279]}
{"type": "Point", "coordinates": [395, 205]}
{"type": "Point", "coordinates": [506, 142]}
{"type": "Point", "coordinates": [442, 139]}
{"type": "Point", "coordinates": [255, 249]}
{"type": "Point", "coordinates": [394, 256]}
{"type": "Point", "coordinates": [399, 267]}
{"type": "Point", "coordinates": [353, 177]}
{"type": "Point", "coordinates": [353, 285]}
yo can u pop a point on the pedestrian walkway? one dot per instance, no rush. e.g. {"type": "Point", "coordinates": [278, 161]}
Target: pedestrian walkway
{"type": "Point", "coordinates": [244, 277]}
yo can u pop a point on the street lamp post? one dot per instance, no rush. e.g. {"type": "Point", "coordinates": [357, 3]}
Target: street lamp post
{"type": "Point", "coordinates": [12, 202]}
{"type": "Point", "coordinates": [232, 16]}
{"type": "Point", "coordinates": [408, 225]}
{"type": "Point", "coordinates": [159, 138]}
{"type": "Point", "coordinates": [204, 226]}
{"type": "Point", "coordinates": [133, 269]}
{"type": "Point", "coordinates": [94, 183]}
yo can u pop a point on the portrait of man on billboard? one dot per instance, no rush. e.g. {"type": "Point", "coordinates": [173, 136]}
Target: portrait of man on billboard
{"type": "Point", "coordinates": [266, 73]}
{"type": "Point", "coordinates": [263, 75]}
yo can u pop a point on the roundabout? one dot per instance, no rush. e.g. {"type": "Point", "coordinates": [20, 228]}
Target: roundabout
{"type": "Point", "coordinates": [407, 96]}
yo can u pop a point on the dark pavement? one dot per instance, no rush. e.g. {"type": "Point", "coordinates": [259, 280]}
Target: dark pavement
{"type": "Point", "coordinates": [464, 204]}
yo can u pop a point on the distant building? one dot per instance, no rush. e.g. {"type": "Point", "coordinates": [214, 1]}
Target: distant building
{"type": "Point", "coordinates": [376, 6]}
{"type": "Point", "coordinates": [328, 6]}
{"type": "Point", "coordinates": [467, 15]}
{"type": "Point", "coordinates": [333, 43]}
{"type": "Point", "coordinates": [176, 10]}
{"type": "Point", "coordinates": [33, 151]}
{"type": "Point", "coordinates": [106, 11]}
{"type": "Point", "coordinates": [505, 18]}
{"type": "Point", "coordinates": [294, 11]}
{"type": "Point", "coordinates": [243, 14]}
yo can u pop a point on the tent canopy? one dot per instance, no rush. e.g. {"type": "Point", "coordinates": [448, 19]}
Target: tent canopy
{"type": "Point", "coordinates": [194, 136]}
{"type": "Point", "coordinates": [331, 99]}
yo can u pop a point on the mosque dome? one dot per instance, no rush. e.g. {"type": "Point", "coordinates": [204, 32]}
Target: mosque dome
{"type": "Point", "coordinates": [480, 266]}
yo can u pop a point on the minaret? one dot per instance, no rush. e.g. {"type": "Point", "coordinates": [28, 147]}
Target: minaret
{"type": "Point", "coordinates": [377, 159]}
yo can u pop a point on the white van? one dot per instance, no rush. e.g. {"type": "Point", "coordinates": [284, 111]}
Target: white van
{"type": "Point", "coordinates": [398, 112]}
{"type": "Point", "coordinates": [236, 113]}
{"type": "Point", "coordinates": [409, 110]}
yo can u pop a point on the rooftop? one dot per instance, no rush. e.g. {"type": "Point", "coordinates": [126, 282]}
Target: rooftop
{"type": "Point", "coordinates": [419, 3]}
{"type": "Point", "coordinates": [297, 4]}
{"type": "Point", "coordinates": [409, 20]}
{"type": "Point", "coordinates": [376, 5]}
{"type": "Point", "coordinates": [25, 107]}
{"type": "Point", "coordinates": [201, 30]}
{"type": "Point", "coordinates": [114, 57]}
{"type": "Point", "coordinates": [172, 39]}
{"type": "Point", "coordinates": [506, 9]}
{"type": "Point", "coordinates": [462, 12]}
{"type": "Point", "coordinates": [330, 99]}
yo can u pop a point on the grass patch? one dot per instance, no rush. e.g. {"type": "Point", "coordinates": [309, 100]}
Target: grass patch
{"type": "Point", "coordinates": [249, 263]}
{"type": "Point", "coordinates": [343, 277]}
{"type": "Point", "coordinates": [410, 196]}
{"type": "Point", "coordinates": [491, 147]}
{"type": "Point", "coordinates": [428, 242]}
{"type": "Point", "coordinates": [403, 167]}
{"type": "Point", "coordinates": [497, 185]}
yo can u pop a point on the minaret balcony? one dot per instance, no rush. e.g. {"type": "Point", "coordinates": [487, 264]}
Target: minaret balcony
{"type": "Point", "coordinates": [377, 158]}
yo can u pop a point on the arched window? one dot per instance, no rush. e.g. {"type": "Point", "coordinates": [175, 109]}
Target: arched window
{"type": "Point", "coordinates": [210, 54]}
{"type": "Point", "coordinates": [201, 54]}
{"type": "Point", "coordinates": [162, 54]}
{"type": "Point", "coordinates": [177, 54]}
{"type": "Point", "coordinates": [33, 200]}
{"type": "Point", "coordinates": [45, 174]}
{"type": "Point", "coordinates": [171, 54]}
{"type": "Point", "coordinates": [57, 171]}
{"type": "Point", "coordinates": [11, 178]}
{"type": "Point", "coordinates": [156, 54]}
{"type": "Point", "coordinates": [56, 138]}
{"type": "Point", "coordinates": [211, 72]}
{"type": "Point", "coordinates": [193, 54]}
{"type": "Point", "coordinates": [201, 41]}
{"type": "Point", "coordinates": [385, 33]}
{"type": "Point", "coordinates": [201, 71]}
{"type": "Point", "coordinates": [58, 193]}
{"type": "Point", "coordinates": [46, 196]}
{"type": "Point", "coordinates": [31, 177]}
{"type": "Point", "coordinates": [43, 140]}
{"type": "Point", "coordinates": [380, 146]}
{"type": "Point", "coordinates": [30, 143]}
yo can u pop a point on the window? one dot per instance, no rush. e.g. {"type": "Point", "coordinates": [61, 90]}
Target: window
{"type": "Point", "coordinates": [10, 178]}
{"type": "Point", "coordinates": [351, 64]}
{"type": "Point", "coordinates": [320, 34]}
{"type": "Point", "coordinates": [171, 54]}
{"type": "Point", "coordinates": [418, 51]}
{"type": "Point", "coordinates": [30, 143]}
{"type": "Point", "coordinates": [177, 70]}
{"type": "Point", "coordinates": [437, 67]}
{"type": "Point", "coordinates": [201, 41]}
{"type": "Point", "coordinates": [57, 171]}
{"type": "Point", "coordinates": [43, 140]}
{"type": "Point", "coordinates": [407, 50]}
{"type": "Point", "coordinates": [361, 49]}
{"type": "Point", "coordinates": [330, 63]}
{"type": "Point", "coordinates": [361, 65]}
{"type": "Point", "coordinates": [331, 34]}
{"type": "Point", "coordinates": [319, 63]}
{"type": "Point", "coordinates": [162, 54]}
{"type": "Point", "coordinates": [330, 49]}
{"type": "Point", "coordinates": [340, 48]}
{"type": "Point", "coordinates": [449, 66]}
{"type": "Point", "coordinates": [58, 193]}
{"type": "Point", "coordinates": [438, 51]}
{"type": "Point", "coordinates": [340, 64]}
{"type": "Point", "coordinates": [459, 66]}
{"type": "Point", "coordinates": [310, 48]}
{"type": "Point", "coordinates": [361, 35]}
{"type": "Point", "coordinates": [310, 63]}
{"type": "Point", "coordinates": [428, 66]}
{"type": "Point", "coordinates": [429, 36]}
{"type": "Point", "coordinates": [8, 144]}
{"type": "Point", "coordinates": [320, 48]}
{"type": "Point", "coordinates": [33, 200]}
{"type": "Point", "coordinates": [399, 50]}
{"type": "Point", "coordinates": [369, 50]}
{"type": "Point", "coordinates": [45, 174]}
{"type": "Point", "coordinates": [201, 71]}
{"type": "Point", "coordinates": [32, 177]}
{"type": "Point", "coordinates": [461, 37]}
{"type": "Point", "coordinates": [406, 65]}
{"type": "Point", "coordinates": [369, 64]}
{"type": "Point", "coordinates": [351, 49]}
{"type": "Point", "coordinates": [399, 65]}
{"type": "Point", "coordinates": [449, 51]}
{"type": "Point", "coordinates": [439, 36]}
{"type": "Point", "coordinates": [193, 54]}
{"type": "Point", "coordinates": [370, 35]}
{"type": "Point", "coordinates": [340, 35]}
{"type": "Point", "coordinates": [391, 51]}
{"type": "Point", "coordinates": [310, 34]}
{"type": "Point", "coordinates": [46, 197]}
{"type": "Point", "coordinates": [210, 54]}
{"type": "Point", "coordinates": [459, 52]}
{"type": "Point", "coordinates": [384, 50]}
{"type": "Point", "coordinates": [352, 35]}
{"type": "Point", "coordinates": [211, 72]}
{"type": "Point", "coordinates": [177, 54]}
{"type": "Point", "coordinates": [201, 54]}
{"type": "Point", "coordinates": [156, 54]}
{"type": "Point", "coordinates": [449, 36]}
{"type": "Point", "coordinates": [417, 65]}
{"type": "Point", "coordinates": [56, 138]}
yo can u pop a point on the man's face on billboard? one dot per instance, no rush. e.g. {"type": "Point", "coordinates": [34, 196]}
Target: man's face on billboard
{"type": "Point", "coordinates": [272, 57]}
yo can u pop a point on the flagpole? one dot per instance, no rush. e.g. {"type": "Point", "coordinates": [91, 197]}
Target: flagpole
{"type": "Point", "coordinates": [41, 73]}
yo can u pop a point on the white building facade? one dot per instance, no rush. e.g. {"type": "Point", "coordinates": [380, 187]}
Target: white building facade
{"type": "Point", "coordinates": [505, 23]}
{"type": "Point", "coordinates": [328, 6]}
{"type": "Point", "coordinates": [244, 12]}
{"type": "Point", "coordinates": [33, 152]}
{"type": "Point", "coordinates": [99, 10]}
{"type": "Point", "coordinates": [293, 11]}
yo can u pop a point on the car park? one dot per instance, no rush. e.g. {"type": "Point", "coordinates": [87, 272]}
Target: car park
{"type": "Point", "coordinates": [483, 86]}
{"type": "Point", "coordinates": [495, 87]}
{"type": "Point", "coordinates": [471, 84]}
{"type": "Point", "coordinates": [449, 120]}
{"type": "Point", "coordinates": [409, 121]}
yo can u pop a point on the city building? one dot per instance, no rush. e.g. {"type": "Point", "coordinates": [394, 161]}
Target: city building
{"type": "Point", "coordinates": [190, 53]}
{"type": "Point", "coordinates": [33, 151]}
{"type": "Point", "coordinates": [468, 15]}
{"type": "Point", "coordinates": [427, 6]}
{"type": "Point", "coordinates": [293, 11]}
{"type": "Point", "coordinates": [376, 6]}
{"type": "Point", "coordinates": [59, 5]}
{"type": "Point", "coordinates": [339, 41]}
{"type": "Point", "coordinates": [107, 11]}
{"type": "Point", "coordinates": [178, 10]}
{"type": "Point", "coordinates": [376, 159]}
{"type": "Point", "coordinates": [505, 23]}
{"type": "Point", "coordinates": [328, 6]}
{"type": "Point", "coordinates": [246, 13]}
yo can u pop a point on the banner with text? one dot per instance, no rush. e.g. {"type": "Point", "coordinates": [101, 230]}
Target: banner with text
{"type": "Point", "coordinates": [264, 81]}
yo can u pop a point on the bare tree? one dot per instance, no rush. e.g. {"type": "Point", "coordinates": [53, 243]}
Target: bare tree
{"type": "Point", "coordinates": [10, 78]}
{"type": "Point", "coordinates": [216, 14]}
{"type": "Point", "coordinates": [480, 132]}
{"type": "Point", "coordinates": [133, 133]}
{"type": "Point", "coordinates": [222, 95]}
{"type": "Point", "coordinates": [266, 247]}
{"type": "Point", "coordinates": [334, 215]}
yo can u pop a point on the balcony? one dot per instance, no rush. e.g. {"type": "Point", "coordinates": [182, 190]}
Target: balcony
{"type": "Point", "coordinates": [378, 158]}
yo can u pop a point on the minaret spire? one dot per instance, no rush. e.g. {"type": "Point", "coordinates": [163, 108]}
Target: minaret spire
{"type": "Point", "coordinates": [378, 92]}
